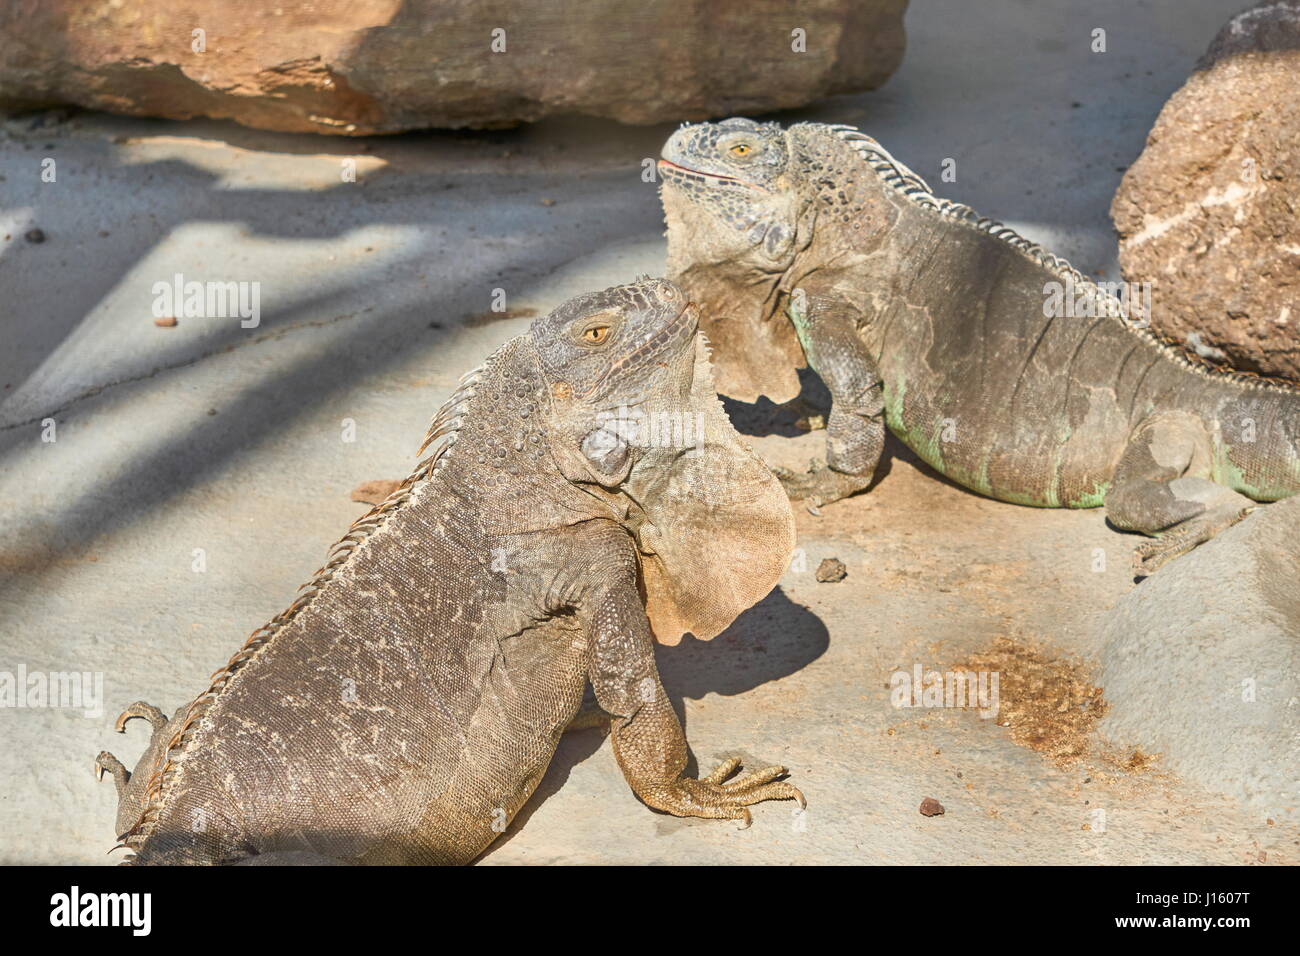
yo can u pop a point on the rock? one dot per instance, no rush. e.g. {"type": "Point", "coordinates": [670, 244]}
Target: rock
{"type": "Point", "coordinates": [367, 66]}
{"type": "Point", "coordinates": [831, 570]}
{"type": "Point", "coordinates": [1207, 214]}
{"type": "Point", "coordinates": [35, 236]}
{"type": "Point", "coordinates": [374, 492]}
{"type": "Point", "coordinates": [1201, 663]}
{"type": "Point", "coordinates": [931, 807]}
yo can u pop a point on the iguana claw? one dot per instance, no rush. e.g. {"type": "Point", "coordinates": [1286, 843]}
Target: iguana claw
{"type": "Point", "coordinates": [713, 798]}
{"type": "Point", "coordinates": [820, 484]}
{"type": "Point", "coordinates": [1150, 556]}
{"type": "Point", "coordinates": [149, 712]}
{"type": "Point", "coordinates": [107, 763]}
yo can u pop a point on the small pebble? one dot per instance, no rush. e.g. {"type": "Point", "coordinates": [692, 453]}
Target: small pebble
{"type": "Point", "coordinates": [34, 235]}
{"type": "Point", "coordinates": [165, 323]}
{"type": "Point", "coordinates": [931, 807]}
{"type": "Point", "coordinates": [831, 570]}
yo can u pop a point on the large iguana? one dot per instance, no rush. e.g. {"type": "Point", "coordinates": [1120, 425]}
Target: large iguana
{"type": "Point", "coordinates": [1000, 365]}
{"type": "Point", "coordinates": [406, 705]}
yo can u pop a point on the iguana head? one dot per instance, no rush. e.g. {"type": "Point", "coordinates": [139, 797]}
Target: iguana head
{"type": "Point", "coordinates": [734, 217]}
{"type": "Point", "coordinates": [621, 346]}
{"type": "Point", "coordinates": [741, 200]}
{"type": "Point", "coordinates": [726, 182]}
{"type": "Point", "coordinates": [634, 421]}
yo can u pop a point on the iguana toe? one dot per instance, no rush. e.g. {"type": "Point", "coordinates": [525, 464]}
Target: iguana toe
{"type": "Point", "coordinates": [149, 712]}
{"type": "Point", "coordinates": [722, 771]}
{"type": "Point", "coordinates": [712, 798]}
{"type": "Point", "coordinates": [820, 484]}
{"type": "Point", "coordinates": [763, 785]}
{"type": "Point", "coordinates": [107, 763]}
{"type": "Point", "coordinates": [1150, 556]}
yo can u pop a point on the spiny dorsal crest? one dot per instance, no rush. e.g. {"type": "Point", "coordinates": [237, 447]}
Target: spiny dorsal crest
{"type": "Point", "coordinates": [445, 426]}
{"type": "Point", "coordinates": [893, 173]}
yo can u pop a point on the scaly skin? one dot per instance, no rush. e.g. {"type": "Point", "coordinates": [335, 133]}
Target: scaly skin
{"type": "Point", "coordinates": [925, 319]}
{"type": "Point", "coordinates": [407, 705]}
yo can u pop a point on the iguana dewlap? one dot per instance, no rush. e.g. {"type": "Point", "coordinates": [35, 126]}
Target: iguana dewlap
{"type": "Point", "coordinates": [404, 708]}
{"type": "Point", "coordinates": [1000, 365]}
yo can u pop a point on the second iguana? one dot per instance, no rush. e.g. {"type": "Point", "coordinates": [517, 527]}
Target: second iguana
{"type": "Point", "coordinates": [585, 495]}
{"type": "Point", "coordinates": [999, 364]}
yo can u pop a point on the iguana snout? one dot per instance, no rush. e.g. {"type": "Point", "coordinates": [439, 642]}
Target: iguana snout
{"type": "Point", "coordinates": [737, 153]}
{"type": "Point", "coordinates": [727, 180]}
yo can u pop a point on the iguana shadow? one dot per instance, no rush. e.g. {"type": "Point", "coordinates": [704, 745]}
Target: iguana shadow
{"type": "Point", "coordinates": [766, 417]}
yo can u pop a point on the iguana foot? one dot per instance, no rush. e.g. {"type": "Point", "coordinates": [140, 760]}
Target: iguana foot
{"type": "Point", "coordinates": [820, 484]}
{"type": "Point", "coordinates": [107, 763]}
{"type": "Point", "coordinates": [715, 799]}
{"type": "Point", "coordinates": [1150, 556]}
{"type": "Point", "coordinates": [149, 712]}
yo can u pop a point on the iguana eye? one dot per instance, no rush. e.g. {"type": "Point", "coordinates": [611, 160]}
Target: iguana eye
{"type": "Point", "coordinates": [595, 334]}
{"type": "Point", "coordinates": [741, 149]}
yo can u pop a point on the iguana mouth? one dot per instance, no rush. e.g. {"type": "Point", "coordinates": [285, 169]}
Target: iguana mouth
{"type": "Point", "coordinates": [680, 328]}
{"type": "Point", "coordinates": [664, 343]}
{"type": "Point", "coordinates": [688, 172]}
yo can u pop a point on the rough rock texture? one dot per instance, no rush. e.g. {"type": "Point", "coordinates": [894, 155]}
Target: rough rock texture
{"type": "Point", "coordinates": [1201, 663]}
{"type": "Point", "coordinates": [364, 66]}
{"type": "Point", "coordinates": [1209, 212]}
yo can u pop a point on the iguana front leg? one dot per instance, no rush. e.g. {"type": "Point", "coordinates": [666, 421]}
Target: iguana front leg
{"type": "Point", "coordinates": [855, 430]}
{"type": "Point", "coordinates": [647, 737]}
{"type": "Point", "coordinates": [131, 786]}
{"type": "Point", "coordinates": [1162, 487]}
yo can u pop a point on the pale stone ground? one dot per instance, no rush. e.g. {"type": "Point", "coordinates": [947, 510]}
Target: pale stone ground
{"type": "Point", "coordinates": [209, 436]}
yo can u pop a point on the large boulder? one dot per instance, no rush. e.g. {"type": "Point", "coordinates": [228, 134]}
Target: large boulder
{"type": "Point", "coordinates": [1201, 663]}
{"type": "Point", "coordinates": [367, 66]}
{"type": "Point", "coordinates": [1210, 212]}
